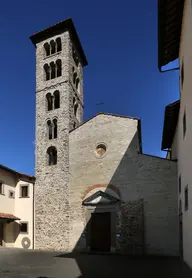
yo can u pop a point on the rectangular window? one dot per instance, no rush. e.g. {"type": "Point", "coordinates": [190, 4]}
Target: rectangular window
{"type": "Point", "coordinates": [24, 191]}
{"type": "Point", "coordinates": [186, 198]}
{"type": "Point", "coordinates": [180, 184]}
{"type": "Point", "coordinates": [24, 227]}
{"type": "Point", "coordinates": [184, 124]}
{"type": "Point", "coordinates": [11, 194]}
{"type": "Point", "coordinates": [1, 188]}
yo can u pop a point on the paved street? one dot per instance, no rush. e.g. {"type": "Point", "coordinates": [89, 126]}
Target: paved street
{"type": "Point", "coordinates": [36, 264]}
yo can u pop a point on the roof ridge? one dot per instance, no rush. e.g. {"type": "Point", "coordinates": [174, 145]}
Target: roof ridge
{"type": "Point", "coordinates": [15, 172]}
{"type": "Point", "coordinates": [106, 114]}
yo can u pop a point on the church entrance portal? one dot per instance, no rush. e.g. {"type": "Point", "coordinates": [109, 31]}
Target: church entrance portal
{"type": "Point", "coordinates": [101, 232]}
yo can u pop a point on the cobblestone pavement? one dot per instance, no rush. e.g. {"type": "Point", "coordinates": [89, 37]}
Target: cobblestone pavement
{"type": "Point", "coordinates": [38, 264]}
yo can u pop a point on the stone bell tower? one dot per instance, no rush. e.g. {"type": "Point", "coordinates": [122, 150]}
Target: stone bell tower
{"type": "Point", "coordinates": [59, 109]}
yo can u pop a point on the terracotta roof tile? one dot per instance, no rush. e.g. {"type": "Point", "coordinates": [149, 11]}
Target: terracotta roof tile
{"type": "Point", "coordinates": [8, 216]}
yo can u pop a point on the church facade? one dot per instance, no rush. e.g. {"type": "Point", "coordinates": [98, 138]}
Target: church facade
{"type": "Point", "coordinates": [95, 190]}
{"type": "Point", "coordinates": [112, 181]}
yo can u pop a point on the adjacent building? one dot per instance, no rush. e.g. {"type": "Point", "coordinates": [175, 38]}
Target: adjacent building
{"type": "Point", "coordinates": [16, 209]}
{"type": "Point", "coordinates": [175, 42]}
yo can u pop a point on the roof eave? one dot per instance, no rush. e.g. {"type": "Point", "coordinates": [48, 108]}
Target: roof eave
{"type": "Point", "coordinates": [57, 29]}
{"type": "Point", "coordinates": [18, 174]}
{"type": "Point", "coordinates": [169, 38]}
{"type": "Point", "coordinates": [170, 124]}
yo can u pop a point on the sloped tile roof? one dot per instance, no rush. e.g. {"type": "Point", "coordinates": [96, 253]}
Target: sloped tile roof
{"type": "Point", "coordinates": [170, 124]}
{"type": "Point", "coordinates": [18, 174]}
{"type": "Point", "coordinates": [170, 15]}
{"type": "Point", "coordinates": [8, 216]}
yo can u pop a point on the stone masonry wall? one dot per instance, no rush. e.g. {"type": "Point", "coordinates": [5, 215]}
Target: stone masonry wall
{"type": "Point", "coordinates": [136, 175]}
{"type": "Point", "coordinates": [75, 94]}
{"type": "Point", "coordinates": [51, 189]}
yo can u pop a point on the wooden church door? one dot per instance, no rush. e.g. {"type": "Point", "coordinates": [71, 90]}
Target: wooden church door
{"type": "Point", "coordinates": [101, 232]}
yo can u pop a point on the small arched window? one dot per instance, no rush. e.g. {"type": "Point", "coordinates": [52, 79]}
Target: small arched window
{"type": "Point", "coordinates": [77, 84]}
{"type": "Point", "coordinates": [58, 43]}
{"type": "Point", "coordinates": [50, 130]}
{"type": "Point", "coordinates": [75, 109]}
{"type": "Point", "coordinates": [47, 49]}
{"type": "Point", "coordinates": [53, 47]}
{"type": "Point", "coordinates": [52, 155]}
{"type": "Point", "coordinates": [47, 71]}
{"type": "Point", "coordinates": [49, 101]}
{"type": "Point", "coordinates": [73, 101]}
{"type": "Point", "coordinates": [55, 128]}
{"type": "Point", "coordinates": [52, 65]}
{"type": "Point", "coordinates": [56, 95]}
{"type": "Point", "coordinates": [74, 77]}
{"type": "Point", "coordinates": [58, 67]}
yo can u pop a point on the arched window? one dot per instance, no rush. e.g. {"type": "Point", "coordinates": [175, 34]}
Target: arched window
{"type": "Point", "coordinates": [73, 101]}
{"type": "Point", "coordinates": [74, 77]}
{"type": "Point", "coordinates": [52, 65]}
{"type": "Point", "coordinates": [55, 128]}
{"type": "Point", "coordinates": [53, 47]}
{"type": "Point", "coordinates": [47, 49]}
{"type": "Point", "coordinates": [77, 84]}
{"type": "Point", "coordinates": [49, 101]}
{"type": "Point", "coordinates": [75, 109]}
{"type": "Point", "coordinates": [56, 95]}
{"type": "Point", "coordinates": [47, 71]}
{"type": "Point", "coordinates": [50, 130]}
{"type": "Point", "coordinates": [58, 43]}
{"type": "Point", "coordinates": [58, 67]}
{"type": "Point", "coordinates": [52, 155]}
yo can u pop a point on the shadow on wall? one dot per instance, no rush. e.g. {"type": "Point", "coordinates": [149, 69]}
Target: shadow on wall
{"type": "Point", "coordinates": [11, 232]}
{"type": "Point", "coordinates": [117, 217]}
{"type": "Point", "coordinates": [112, 221]}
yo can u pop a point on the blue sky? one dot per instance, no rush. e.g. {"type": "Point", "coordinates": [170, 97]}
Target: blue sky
{"type": "Point", "coordinates": [120, 42]}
